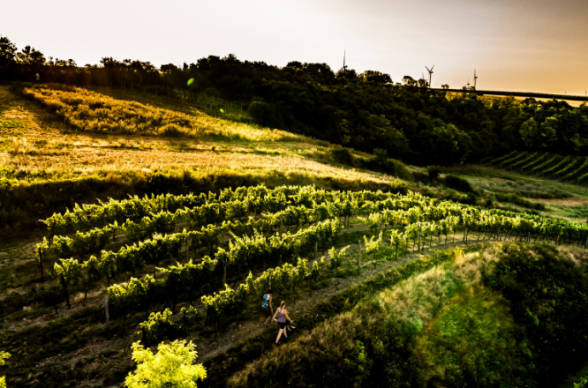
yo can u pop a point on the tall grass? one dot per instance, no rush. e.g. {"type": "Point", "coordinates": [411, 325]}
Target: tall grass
{"type": "Point", "coordinates": [86, 110]}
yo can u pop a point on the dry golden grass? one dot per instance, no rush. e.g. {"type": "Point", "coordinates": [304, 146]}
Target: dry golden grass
{"type": "Point", "coordinates": [91, 160]}
{"type": "Point", "coordinates": [86, 110]}
{"type": "Point", "coordinates": [45, 148]}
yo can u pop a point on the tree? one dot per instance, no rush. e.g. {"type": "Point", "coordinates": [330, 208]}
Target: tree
{"type": "Point", "coordinates": [376, 77]}
{"type": "Point", "coordinates": [422, 83]}
{"type": "Point", "coordinates": [3, 356]}
{"type": "Point", "coordinates": [7, 51]}
{"type": "Point", "coordinates": [172, 366]}
{"type": "Point", "coordinates": [408, 80]}
{"type": "Point", "coordinates": [444, 86]}
{"type": "Point", "coordinates": [30, 56]}
{"type": "Point", "coordinates": [539, 135]}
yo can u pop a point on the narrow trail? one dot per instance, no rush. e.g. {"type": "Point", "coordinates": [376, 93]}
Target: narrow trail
{"type": "Point", "coordinates": [239, 332]}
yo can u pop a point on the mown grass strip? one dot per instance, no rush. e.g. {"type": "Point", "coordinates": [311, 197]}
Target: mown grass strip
{"type": "Point", "coordinates": [220, 368]}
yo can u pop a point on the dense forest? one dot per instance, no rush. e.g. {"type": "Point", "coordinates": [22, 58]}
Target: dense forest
{"type": "Point", "coordinates": [367, 111]}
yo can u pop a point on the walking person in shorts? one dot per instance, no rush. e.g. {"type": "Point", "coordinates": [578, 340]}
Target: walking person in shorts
{"type": "Point", "coordinates": [282, 314]}
{"type": "Point", "coordinates": [267, 305]}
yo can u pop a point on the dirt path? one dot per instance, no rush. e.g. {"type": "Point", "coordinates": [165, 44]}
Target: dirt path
{"type": "Point", "coordinates": [237, 333]}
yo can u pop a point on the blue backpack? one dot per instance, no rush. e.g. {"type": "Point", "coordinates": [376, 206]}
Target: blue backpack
{"type": "Point", "coordinates": [265, 303]}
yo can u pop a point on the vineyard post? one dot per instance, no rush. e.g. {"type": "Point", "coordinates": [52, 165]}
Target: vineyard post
{"type": "Point", "coordinates": [316, 248]}
{"type": "Point", "coordinates": [498, 236]}
{"type": "Point", "coordinates": [107, 314]}
{"type": "Point", "coordinates": [41, 266]}
{"type": "Point", "coordinates": [420, 232]}
{"type": "Point", "coordinates": [64, 285]}
{"type": "Point", "coordinates": [187, 247]}
{"type": "Point", "coordinates": [358, 257]}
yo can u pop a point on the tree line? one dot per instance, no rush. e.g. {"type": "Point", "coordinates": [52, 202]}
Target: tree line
{"type": "Point", "coordinates": [367, 111]}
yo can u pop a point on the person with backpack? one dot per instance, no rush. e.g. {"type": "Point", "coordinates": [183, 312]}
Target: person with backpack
{"type": "Point", "coordinates": [282, 314]}
{"type": "Point", "coordinates": [267, 305]}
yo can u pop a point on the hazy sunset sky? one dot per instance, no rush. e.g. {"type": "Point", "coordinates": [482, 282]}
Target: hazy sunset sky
{"type": "Point", "coordinates": [519, 45]}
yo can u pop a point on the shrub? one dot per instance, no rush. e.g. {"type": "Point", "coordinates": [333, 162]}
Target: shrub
{"type": "Point", "coordinates": [342, 155]}
{"type": "Point", "coordinates": [582, 382]}
{"type": "Point", "coordinates": [459, 184]}
{"type": "Point", "coordinates": [379, 161]}
{"type": "Point", "coordinates": [264, 114]}
{"type": "Point", "coordinates": [172, 366]}
{"type": "Point", "coordinates": [172, 130]}
{"type": "Point", "coordinates": [420, 177]}
{"type": "Point", "coordinates": [434, 172]}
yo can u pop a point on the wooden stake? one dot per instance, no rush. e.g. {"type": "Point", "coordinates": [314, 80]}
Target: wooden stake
{"type": "Point", "coordinates": [359, 257]}
{"type": "Point", "coordinates": [107, 314]}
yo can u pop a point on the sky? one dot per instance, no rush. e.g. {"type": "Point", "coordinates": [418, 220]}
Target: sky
{"type": "Point", "coordinates": [514, 45]}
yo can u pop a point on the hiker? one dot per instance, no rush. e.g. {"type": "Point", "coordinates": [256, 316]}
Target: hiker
{"type": "Point", "coordinates": [282, 314]}
{"type": "Point", "coordinates": [267, 305]}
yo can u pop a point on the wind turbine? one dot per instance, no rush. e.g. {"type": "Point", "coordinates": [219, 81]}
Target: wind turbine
{"type": "Point", "coordinates": [430, 73]}
{"type": "Point", "coordinates": [475, 78]}
{"type": "Point", "coordinates": [344, 65]}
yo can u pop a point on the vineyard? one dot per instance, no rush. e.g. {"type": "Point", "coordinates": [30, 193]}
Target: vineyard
{"type": "Point", "coordinates": [572, 169]}
{"type": "Point", "coordinates": [182, 266]}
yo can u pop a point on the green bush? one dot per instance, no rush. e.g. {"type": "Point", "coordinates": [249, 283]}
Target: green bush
{"type": "Point", "coordinates": [548, 297]}
{"type": "Point", "coordinates": [582, 382]}
{"type": "Point", "coordinates": [434, 172]}
{"type": "Point", "coordinates": [342, 155]}
{"type": "Point", "coordinates": [459, 184]}
{"type": "Point", "coordinates": [380, 161]}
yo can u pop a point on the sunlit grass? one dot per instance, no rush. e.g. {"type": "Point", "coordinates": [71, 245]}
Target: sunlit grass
{"type": "Point", "coordinates": [87, 110]}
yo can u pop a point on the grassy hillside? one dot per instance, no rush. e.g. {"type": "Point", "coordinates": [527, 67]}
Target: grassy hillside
{"type": "Point", "coordinates": [478, 320]}
{"type": "Point", "coordinates": [63, 146]}
{"type": "Point", "coordinates": [367, 266]}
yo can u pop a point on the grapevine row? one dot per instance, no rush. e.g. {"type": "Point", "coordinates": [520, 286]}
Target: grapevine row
{"type": "Point", "coordinates": [505, 157]}
{"type": "Point", "coordinates": [578, 170]}
{"type": "Point", "coordinates": [544, 164]}
{"type": "Point", "coordinates": [165, 222]}
{"type": "Point", "coordinates": [524, 160]}
{"type": "Point", "coordinates": [88, 216]}
{"type": "Point", "coordinates": [534, 162]}
{"type": "Point", "coordinates": [568, 167]}
{"type": "Point", "coordinates": [513, 159]}
{"type": "Point", "coordinates": [244, 254]}
{"type": "Point", "coordinates": [559, 165]}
